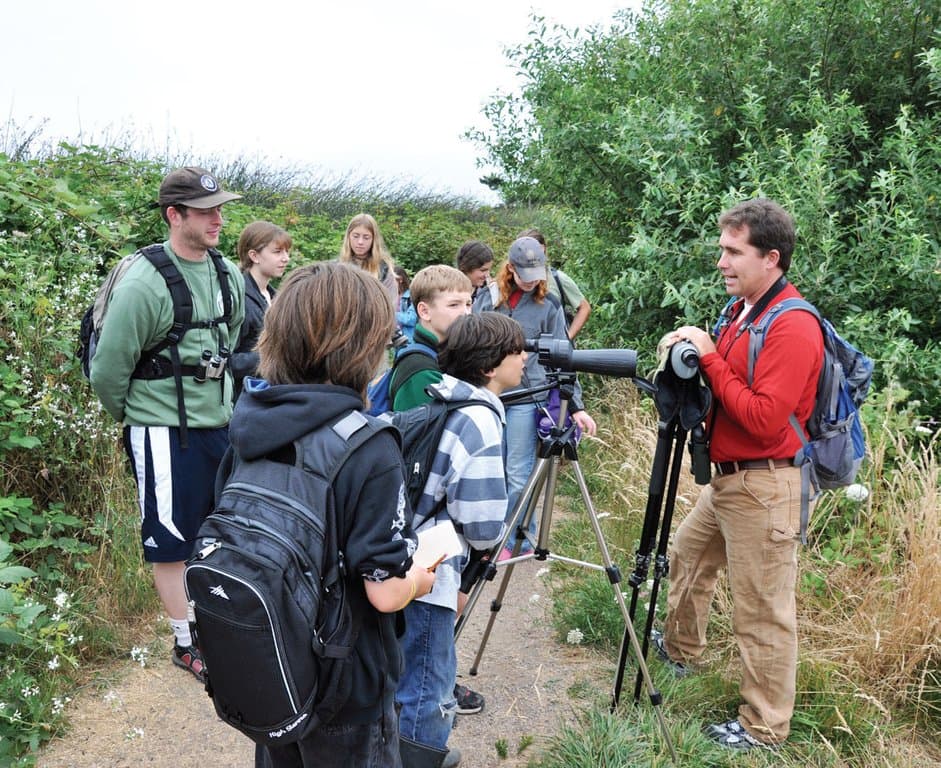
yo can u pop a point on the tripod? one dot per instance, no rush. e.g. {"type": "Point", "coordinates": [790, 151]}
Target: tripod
{"type": "Point", "coordinates": [682, 404]}
{"type": "Point", "coordinates": [560, 441]}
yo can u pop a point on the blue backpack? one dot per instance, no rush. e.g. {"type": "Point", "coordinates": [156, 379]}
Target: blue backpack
{"type": "Point", "coordinates": [380, 391]}
{"type": "Point", "coordinates": [836, 448]}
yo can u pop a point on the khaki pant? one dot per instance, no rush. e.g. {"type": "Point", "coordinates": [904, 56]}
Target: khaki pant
{"type": "Point", "coordinates": [747, 522]}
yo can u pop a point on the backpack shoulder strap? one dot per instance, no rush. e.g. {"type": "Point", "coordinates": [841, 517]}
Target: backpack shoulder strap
{"type": "Point", "coordinates": [756, 340]}
{"type": "Point", "coordinates": [757, 331]}
{"type": "Point", "coordinates": [408, 361]}
{"type": "Point", "coordinates": [222, 272]}
{"type": "Point", "coordinates": [558, 284]}
{"type": "Point", "coordinates": [180, 295]}
{"type": "Point", "coordinates": [323, 453]}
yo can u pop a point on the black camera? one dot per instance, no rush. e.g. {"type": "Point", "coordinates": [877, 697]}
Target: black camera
{"type": "Point", "coordinates": [560, 355]}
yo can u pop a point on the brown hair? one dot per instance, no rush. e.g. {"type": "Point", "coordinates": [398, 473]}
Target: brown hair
{"type": "Point", "coordinates": [770, 227]}
{"type": "Point", "coordinates": [329, 324]}
{"type": "Point", "coordinates": [437, 278]}
{"type": "Point", "coordinates": [476, 344]}
{"type": "Point", "coordinates": [505, 282]}
{"type": "Point", "coordinates": [473, 255]}
{"type": "Point", "coordinates": [536, 235]}
{"type": "Point", "coordinates": [255, 237]}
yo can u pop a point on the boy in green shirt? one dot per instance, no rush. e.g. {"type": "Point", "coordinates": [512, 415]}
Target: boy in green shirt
{"type": "Point", "coordinates": [440, 295]}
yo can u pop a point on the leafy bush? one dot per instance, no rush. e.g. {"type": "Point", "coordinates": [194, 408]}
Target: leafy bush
{"type": "Point", "coordinates": [638, 136]}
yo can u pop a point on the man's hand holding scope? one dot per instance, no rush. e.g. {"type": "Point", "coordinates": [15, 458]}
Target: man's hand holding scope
{"type": "Point", "coordinates": [696, 336]}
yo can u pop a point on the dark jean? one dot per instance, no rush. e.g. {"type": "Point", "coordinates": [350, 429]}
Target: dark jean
{"type": "Point", "coordinates": [340, 745]}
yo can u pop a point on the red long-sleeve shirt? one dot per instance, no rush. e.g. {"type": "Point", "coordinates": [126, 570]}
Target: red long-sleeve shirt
{"type": "Point", "coordinates": [752, 422]}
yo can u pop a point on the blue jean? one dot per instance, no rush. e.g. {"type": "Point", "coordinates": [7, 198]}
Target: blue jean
{"type": "Point", "coordinates": [340, 745]}
{"type": "Point", "coordinates": [520, 459]}
{"type": "Point", "coordinates": [426, 688]}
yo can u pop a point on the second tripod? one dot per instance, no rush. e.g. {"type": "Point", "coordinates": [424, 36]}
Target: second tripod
{"type": "Point", "coordinates": [682, 404]}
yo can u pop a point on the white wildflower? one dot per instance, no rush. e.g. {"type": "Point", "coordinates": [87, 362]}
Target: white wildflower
{"type": "Point", "coordinates": [62, 600]}
{"type": "Point", "coordinates": [574, 637]}
{"type": "Point", "coordinates": [53, 663]}
{"type": "Point", "coordinates": [140, 655]}
{"type": "Point", "coordinates": [542, 572]}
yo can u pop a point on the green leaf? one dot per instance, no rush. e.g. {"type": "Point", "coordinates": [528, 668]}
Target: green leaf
{"type": "Point", "coordinates": [13, 574]}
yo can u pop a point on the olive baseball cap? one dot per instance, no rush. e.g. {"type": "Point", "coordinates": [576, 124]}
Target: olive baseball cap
{"type": "Point", "coordinates": [194, 188]}
{"type": "Point", "coordinates": [528, 259]}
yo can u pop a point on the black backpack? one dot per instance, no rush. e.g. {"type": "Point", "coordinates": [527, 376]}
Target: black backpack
{"type": "Point", "coordinates": [420, 429]}
{"type": "Point", "coordinates": [153, 365]}
{"type": "Point", "coordinates": [267, 588]}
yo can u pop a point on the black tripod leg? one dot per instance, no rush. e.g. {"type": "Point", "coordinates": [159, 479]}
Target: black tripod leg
{"type": "Point", "coordinates": [648, 538]}
{"type": "Point", "coordinates": [661, 562]}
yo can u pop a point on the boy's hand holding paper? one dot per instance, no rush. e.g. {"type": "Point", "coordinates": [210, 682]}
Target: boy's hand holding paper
{"type": "Point", "coordinates": [437, 544]}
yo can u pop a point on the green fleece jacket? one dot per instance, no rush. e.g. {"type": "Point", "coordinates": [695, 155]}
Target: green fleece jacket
{"type": "Point", "coordinates": [140, 312]}
{"type": "Point", "coordinates": [423, 371]}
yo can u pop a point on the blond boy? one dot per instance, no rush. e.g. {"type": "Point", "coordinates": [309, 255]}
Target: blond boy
{"type": "Point", "coordinates": [440, 295]}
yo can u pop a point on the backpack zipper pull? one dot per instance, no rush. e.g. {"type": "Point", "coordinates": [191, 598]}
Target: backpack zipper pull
{"type": "Point", "coordinates": [208, 550]}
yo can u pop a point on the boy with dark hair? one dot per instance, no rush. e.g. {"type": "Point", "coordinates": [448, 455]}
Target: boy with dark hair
{"type": "Point", "coordinates": [466, 489]}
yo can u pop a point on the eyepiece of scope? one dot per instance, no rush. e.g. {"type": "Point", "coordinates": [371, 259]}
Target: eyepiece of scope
{"type": "Point", "coordinates": [684, 359]}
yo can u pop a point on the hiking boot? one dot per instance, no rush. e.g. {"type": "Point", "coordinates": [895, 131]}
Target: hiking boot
{"type": "Point", "coordinates": [468, 702]}
{"type": "Point", "coordinates": [452, 759]}
{"type": "Point", "coordinates": [679, 669]}
{"type": "Point", "coordinates": [190, 659]}
{"type": "Point", "coordinates": [732, 735]}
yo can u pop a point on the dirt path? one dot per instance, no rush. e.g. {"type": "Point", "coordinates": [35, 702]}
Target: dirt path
{"type": "Point", "coordinates": [158, 715]}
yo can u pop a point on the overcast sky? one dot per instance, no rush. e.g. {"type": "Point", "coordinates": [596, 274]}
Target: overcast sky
{"type": "Point", "coordinates": [363, 87]}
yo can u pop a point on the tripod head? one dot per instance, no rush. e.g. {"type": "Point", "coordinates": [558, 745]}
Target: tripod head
{"type": "Point", "coordinates": [558, 434]}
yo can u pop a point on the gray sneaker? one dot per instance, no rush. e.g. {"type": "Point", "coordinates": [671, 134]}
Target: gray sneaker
{"type": "Point", "coordinates": [732, 734]}
{"type": "Point", "coordinates": [452, 759]}
{"type": "Point", "coordinates": [679, 669]}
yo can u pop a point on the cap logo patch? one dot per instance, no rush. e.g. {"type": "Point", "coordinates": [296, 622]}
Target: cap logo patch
{"type": "Point", "coordinates": [208, 183]}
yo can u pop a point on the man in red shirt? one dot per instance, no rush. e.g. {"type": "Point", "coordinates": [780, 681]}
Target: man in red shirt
{"type": "Point", "coordinates": [747, 519]}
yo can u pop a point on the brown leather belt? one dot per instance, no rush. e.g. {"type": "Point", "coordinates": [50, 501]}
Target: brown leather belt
{"type": "Point", "coordinates": [731, 467]}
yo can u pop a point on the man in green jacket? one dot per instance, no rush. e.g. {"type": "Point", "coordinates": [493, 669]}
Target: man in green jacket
{"type": "Point", "coordinates": [174, 447]}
